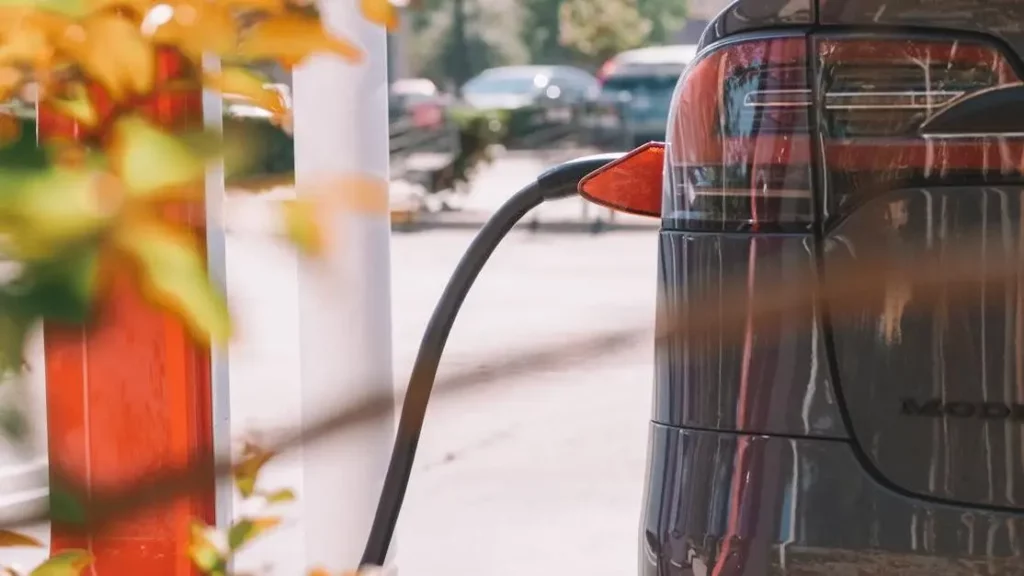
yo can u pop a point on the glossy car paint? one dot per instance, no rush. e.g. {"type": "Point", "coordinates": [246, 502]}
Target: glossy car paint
{"type": "Point", "coordinates": [792, 455]}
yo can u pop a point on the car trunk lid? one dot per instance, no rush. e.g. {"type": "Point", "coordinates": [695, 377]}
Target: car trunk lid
{"type": "Point", "coordinates": [931, 391]}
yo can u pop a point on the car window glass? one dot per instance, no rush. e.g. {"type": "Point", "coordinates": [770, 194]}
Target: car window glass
{"type": "Point", "coordinates": [637, 83]}
{"type": "Point", "coordinates": [501, 84]}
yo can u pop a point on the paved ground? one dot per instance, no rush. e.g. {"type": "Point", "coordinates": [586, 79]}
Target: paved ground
{"type": "Point", "coordinates": [540, 476]}
{"type": "Point", "coordinates": [543, 475]}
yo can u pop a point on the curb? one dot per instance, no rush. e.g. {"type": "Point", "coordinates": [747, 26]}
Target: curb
{"type": "Point", "coordinates": [412, 222]}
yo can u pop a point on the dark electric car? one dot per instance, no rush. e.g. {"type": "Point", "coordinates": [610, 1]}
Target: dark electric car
{"type": "Point", "coordinates": [877, 434]}
{"type": "Point", "coordinates": [804, 134]}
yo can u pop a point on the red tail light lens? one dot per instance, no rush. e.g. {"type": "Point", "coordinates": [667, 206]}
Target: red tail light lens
{"type": "Point", "coordinates": [738, 148]}
{"type": "Point", "coordinates": [606, 69]}
{"type": "Point", "coordinates": [874, 94]}
{"type": "Point", "coordinates": [747, 117]}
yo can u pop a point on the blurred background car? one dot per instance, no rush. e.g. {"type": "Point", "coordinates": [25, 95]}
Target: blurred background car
{"type": "Point", "coordinates": [539, 106]}
{"type": "Point", "coordinates": [636, 93]}
{"type": "Point", "coordinates": [420, 100]}
{"type": "Point", "coordinates": [511, 87]}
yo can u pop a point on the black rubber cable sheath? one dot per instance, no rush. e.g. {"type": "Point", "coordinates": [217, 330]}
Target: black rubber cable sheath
{"type": "Point", "coordinates": [557, 183]}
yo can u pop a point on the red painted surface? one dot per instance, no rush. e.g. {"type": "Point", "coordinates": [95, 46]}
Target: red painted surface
{"type": "Point", "coordinates": [128, 395]}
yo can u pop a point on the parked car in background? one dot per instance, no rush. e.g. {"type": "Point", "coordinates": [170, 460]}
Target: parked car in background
{"type": "Point", "coordinates": [420, 100]}
{"type": "Point", "coordinates": [541, 104]}
{"type": "Point", "coordinates": [511, 87]}
{"type": "Point", "coordinates": [636, 92]}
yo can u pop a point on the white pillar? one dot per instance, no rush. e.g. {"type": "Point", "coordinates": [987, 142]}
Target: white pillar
{"type": "Point", "coordinates": [341, 128]}
{"type": "Point", "coordinates": [217, 267]}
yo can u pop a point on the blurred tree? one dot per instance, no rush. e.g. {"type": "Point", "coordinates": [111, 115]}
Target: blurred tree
{"type": "Point", "coordinates": [490, 36]}
{"type": "Point", "coordinates": [541, 33]}
{"type": "Point", "coordinates": [542, 27]}
{"type": "Point", "coordinates": [666, 17]}
{"type": "Point", "coordinates": [599, 30]}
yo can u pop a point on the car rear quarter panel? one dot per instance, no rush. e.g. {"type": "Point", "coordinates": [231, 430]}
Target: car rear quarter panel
{"type": "Point", "coordinates": [773, 380]}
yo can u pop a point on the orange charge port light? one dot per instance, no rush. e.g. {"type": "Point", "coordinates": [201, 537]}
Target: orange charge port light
{"type": "Point", "coordinates": [631, 184]}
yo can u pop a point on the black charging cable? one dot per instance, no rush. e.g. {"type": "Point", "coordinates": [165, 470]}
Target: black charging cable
{"type": "Point", "coordinates": [555, 184]}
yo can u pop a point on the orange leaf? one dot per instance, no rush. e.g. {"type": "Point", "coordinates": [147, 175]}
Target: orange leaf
{"type": "Point", "coordinates": [10, 539]}
{"type": "Point", "coordinates": [247, 85]}
{"type": "Point", "coordinates": [381, 12]}
{"type": "Point", "coordinates": [303, 226]}
{"type": "Point", "coordinates": [290, 38]}
{"type": "Point", "coordinates": [194, 26]}
{"type": "Point", "coordinates": [112, 51]}
{"type": "Point", "coordinates": [10, 128]}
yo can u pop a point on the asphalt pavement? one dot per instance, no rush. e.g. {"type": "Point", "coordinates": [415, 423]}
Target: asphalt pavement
{"type": "Point", "coordinates": [545, 474]}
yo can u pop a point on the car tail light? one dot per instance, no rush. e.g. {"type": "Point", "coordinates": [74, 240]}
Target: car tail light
{"type": "Point", "coordinates": [874, 95]}
{"type": "Point", "coordinates": [738, 149]}
{"type": "Point", "coordinates": [747, 117]}
{"type": "Point", "coordinates": [606, 69]}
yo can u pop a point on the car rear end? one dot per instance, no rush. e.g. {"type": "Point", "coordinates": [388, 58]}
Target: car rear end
{"type": "Point", "coordinates": [889, 441]}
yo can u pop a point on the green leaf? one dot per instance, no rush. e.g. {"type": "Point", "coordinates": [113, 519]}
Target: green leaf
{"type": "Point", "coordinates": [203, 552]}
{"type": "Point", "coordinates": [280, 496]}
{"type": "Point", "coordinates": [13, 423]}
{"type": "Point", "coordinates": [14, 328]}
{"type": "Point", "coordinates": [62, 288]}
{"type": "Point", "coordinates": [24, 153]}
{"type": "Point", "coordinates": [172, 274]}
{"type": "Point", "coordinates": [65, 563]}
{"type": "Point", "coordinates": [247, 529]}
{"type": "Point", "coordinates": [303, 226]}
{"type": "Point", "coordinates": [66, 7]}
{"type": "Point", "coordinates": [9, 539]}
{"type": "Point", "coordinates": [247, 471]}
{"type": "Point", "coordinates": [76, 105]}
{"type": "Point", "coordinates": [65, 507]}
{"type": "Point", "coordinates": [148, 159]}
{"type": "Point", "coordinates": [47, 211]}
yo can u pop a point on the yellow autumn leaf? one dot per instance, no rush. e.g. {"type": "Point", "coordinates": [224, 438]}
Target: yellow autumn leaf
{"type": "Point", "coordinates": [9, 539]}
{"type": "Point", "coordinates": [65, 563]}
{"type": "Point", "coordinates": [76, 104]}
{"type": "Point", "coordinates": [150, 161]}
{"type": "Point", "coordinates": [247, 471]}
{"type": "Point", "coordinates": [10, 128]}
{"type": "Point", "coordinates": [62, 7]}
{"type": "Point", "coordinates": [381, 12]}
{"type": "Point", "coordinates": [111, 51]}
{"type": "Point", "coordinates": [54, 209]}
{"type": "Point", "coordinates": [280, 496]}
{"type": "Point", "coordinates": [139, 7]}
{"type": "Point", "coordinates": [290, 37]}
{"type": "Point", "coordinates": [303, 226]}
{"type": "Point", "coordinates": [11, 78]}
{"type": "Point", "coordinates": [172, 274]}
{"type": "Point", "coordinates": [249, 86]}
{"type": "Point", "coordinates": [203, 551]}
{"type": "Point", "coordinates": [267, 6]}
{"type": "Point", "coordinates": [28, 45]}
{"type": "Point", "coordinates": [193, 26]}
{"type": "Point", "coordinates": [248, 529]}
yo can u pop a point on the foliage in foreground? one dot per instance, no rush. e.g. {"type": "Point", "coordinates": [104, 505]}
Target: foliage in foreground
{"type": "Point", "coordinates": [93, 201]}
